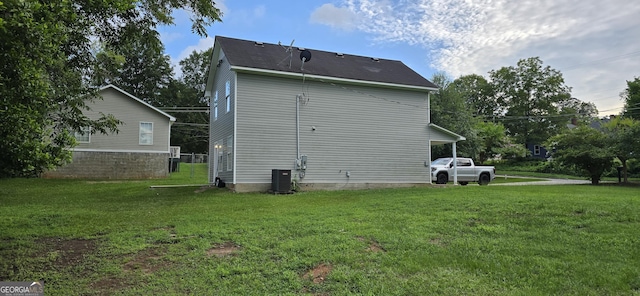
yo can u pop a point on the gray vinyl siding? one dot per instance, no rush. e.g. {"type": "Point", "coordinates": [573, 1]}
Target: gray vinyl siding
{"type": "Point", "coordinates": [131, 113]}
{"type": "Point", "coordinates": [222, 127]}
{"type": "Point", "coordinates": [379, 135]}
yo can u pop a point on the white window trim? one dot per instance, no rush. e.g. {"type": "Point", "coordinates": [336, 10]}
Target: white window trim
{"type": "Point", "coordinates": [85, 130]}
{"type": "Point", "coordinates": [230, 153]}
{"type": "Point", "coordinates": [227, 90]}
{"type": "Point", "coordinates": [140, 133]}
{"type": "Point", "coordinates": [536, 149]}
{"type": "Point", "coordinates": [215, 106]}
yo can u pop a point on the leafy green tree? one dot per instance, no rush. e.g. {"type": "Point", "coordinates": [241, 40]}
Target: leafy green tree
{"type": "Point", "coordinates": [624, 140]}
{"type": "Point", "coordinates": [48, 66]}
{"type": "Point", "coordinates": [450, 110]}
{"type": "Point", "coordinates": [191, 131]}
{"type": "Point", "coordinates": [195, 68]}
{"type": "Point", "coordinates": [510, 150]}
{"type": "Point", "coordinates": [585, 148]}
{"type": "Point", "coordinates": [478, 95]}
{"type": "Point", "coordinates": [492, 138]}
{"type": "Point", "coordinates": [631, 96]}
{"type": "Point", "coordinates": [530, 94]}
{"type": "Point", "coordinates": [137, 64]}
{"type": "Point", "coordinates": [583, 112]}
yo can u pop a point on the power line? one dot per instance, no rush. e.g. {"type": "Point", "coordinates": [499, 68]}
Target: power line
{"type": "Point", "coordinates": [191, 124]}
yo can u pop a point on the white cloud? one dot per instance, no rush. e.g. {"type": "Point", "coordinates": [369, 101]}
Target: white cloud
{"type": "Point", "coordinates": [328, 14]}
{"type": "Point", "coordinates": [222, 7]}
{"type": "Point", "coordinates": [168, 37]}
{"type": "Point", "coordinates": [475, 36]}
{"type": "Point", "coordinates": [203, 44]}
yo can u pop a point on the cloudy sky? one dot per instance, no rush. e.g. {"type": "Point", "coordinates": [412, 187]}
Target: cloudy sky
{"type": "Point", "coordinates": [595, 44]}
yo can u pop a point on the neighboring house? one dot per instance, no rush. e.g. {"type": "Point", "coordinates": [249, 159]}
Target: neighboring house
{"type": "Point", "coordinates": [537, 150]}
{"type": "Point", "coordinates": [140, 150]}
{"type": "Point", "coordinates": [540, 152]}
{"type": "Point", "coordinates": [335, 120]}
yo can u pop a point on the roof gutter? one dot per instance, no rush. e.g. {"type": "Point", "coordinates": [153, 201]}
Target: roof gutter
{"type": "Point", "coordinates": [334, 79]}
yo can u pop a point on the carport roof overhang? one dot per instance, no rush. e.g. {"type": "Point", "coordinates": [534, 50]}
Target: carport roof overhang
{"type": "Point", "coordinates": [441, 136]}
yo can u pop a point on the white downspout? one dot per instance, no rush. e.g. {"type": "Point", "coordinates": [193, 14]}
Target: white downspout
{"type": "Point", "coordinates": [428, 108]}
{"type": "Point", "coordinates": [298, 127]}
{"type": "Point", "coordinates": [429, 136]}
{"type": "Point", "coordinates": [235, 127]}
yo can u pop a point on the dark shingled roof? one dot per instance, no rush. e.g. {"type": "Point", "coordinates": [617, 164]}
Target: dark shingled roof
{"type": "Point", "coordinates": [266, 56]}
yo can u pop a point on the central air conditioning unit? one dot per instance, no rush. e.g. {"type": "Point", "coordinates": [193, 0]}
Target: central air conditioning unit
{"type": "Point", "coordinates": [281, 181]}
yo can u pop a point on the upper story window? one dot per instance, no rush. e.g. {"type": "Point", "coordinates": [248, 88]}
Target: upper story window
{"type": "Point", "coordinates": [84, 135]}
{"type": "Point", "coordinates": [227, 93]}
{"type": "Point", "coordinates": [215, 106]}
{"type": "Point", "coordinates": [146, 133]}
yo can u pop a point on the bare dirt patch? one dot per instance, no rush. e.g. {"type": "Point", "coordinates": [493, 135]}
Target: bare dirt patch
{"type": "Point", "coordinates": [205, 188]}
{"type": "Point", "coordinates": [436, 242]}
{"type": "Point", "coordinates": [110, 286]}
{"type": "Point", "coordinates": [66, 252]}
{"type": "Point", "coordinates": [223, 249]}
{"type": "Point", "coordinates": [148, 261]}
{"type": "Point", "coordinates": [374, 246]}
{"type": "Point", "coordinates": [318, 274]}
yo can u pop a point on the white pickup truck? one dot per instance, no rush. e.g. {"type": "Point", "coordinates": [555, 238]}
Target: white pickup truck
{"type": "Point", "coordinates": [442, 171]}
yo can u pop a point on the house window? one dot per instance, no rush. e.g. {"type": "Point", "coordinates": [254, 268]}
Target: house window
{"type": "Point", "coordinates": [84, 135]}
{"type": "Point", "coordinates": [216, 153]}
{"type": "Point", "coordinates": [220, 154]}
{"type": "Point", "coordinates": [227, 93]}
{"type": "Point", "coordinates": [215, 106]}
{"type": "Point", "coordinates": [146, 133]}
{"type": "Point", "coordinates": [230, 153]}
{"type": "Point", "coordinates": [536, 150]}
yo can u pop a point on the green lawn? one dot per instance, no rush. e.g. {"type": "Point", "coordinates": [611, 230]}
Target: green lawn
{"type": "Point", "coordinates": [125, 238]}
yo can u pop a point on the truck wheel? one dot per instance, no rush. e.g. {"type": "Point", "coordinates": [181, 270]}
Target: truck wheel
{"type": "Point", "coordinates": [484, 179]}
{"type": "Point", "coordinates": [463, 183]}
{"type": "Point", "coordinates": [442, 178]}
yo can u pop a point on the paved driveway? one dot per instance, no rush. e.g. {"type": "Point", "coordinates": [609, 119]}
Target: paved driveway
{"type": "Point", "coordinates": [545, 182]}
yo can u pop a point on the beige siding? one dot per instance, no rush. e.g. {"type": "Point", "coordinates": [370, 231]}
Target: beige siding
{"type": "Point", "coordinates": [375, 134]}
{"type": "Point", "coordinates": [131, 113]}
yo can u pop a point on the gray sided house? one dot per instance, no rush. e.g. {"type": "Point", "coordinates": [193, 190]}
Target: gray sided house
{"type": "Point", "coordinates": [140, 150]}
{"type": "Point", "coordinates": [335, 120]}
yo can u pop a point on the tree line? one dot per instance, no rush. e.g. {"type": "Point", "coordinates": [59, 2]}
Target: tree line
{"type": "Point", "coordinates": [56, 55]}
{"type": "Point", "coordinates": [530, 104]}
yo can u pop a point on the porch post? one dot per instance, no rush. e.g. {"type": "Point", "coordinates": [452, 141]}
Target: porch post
{"type": "Point", "coordinates": [455, 165]}
{"type": "Point", "coordinates": [428, 161]}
